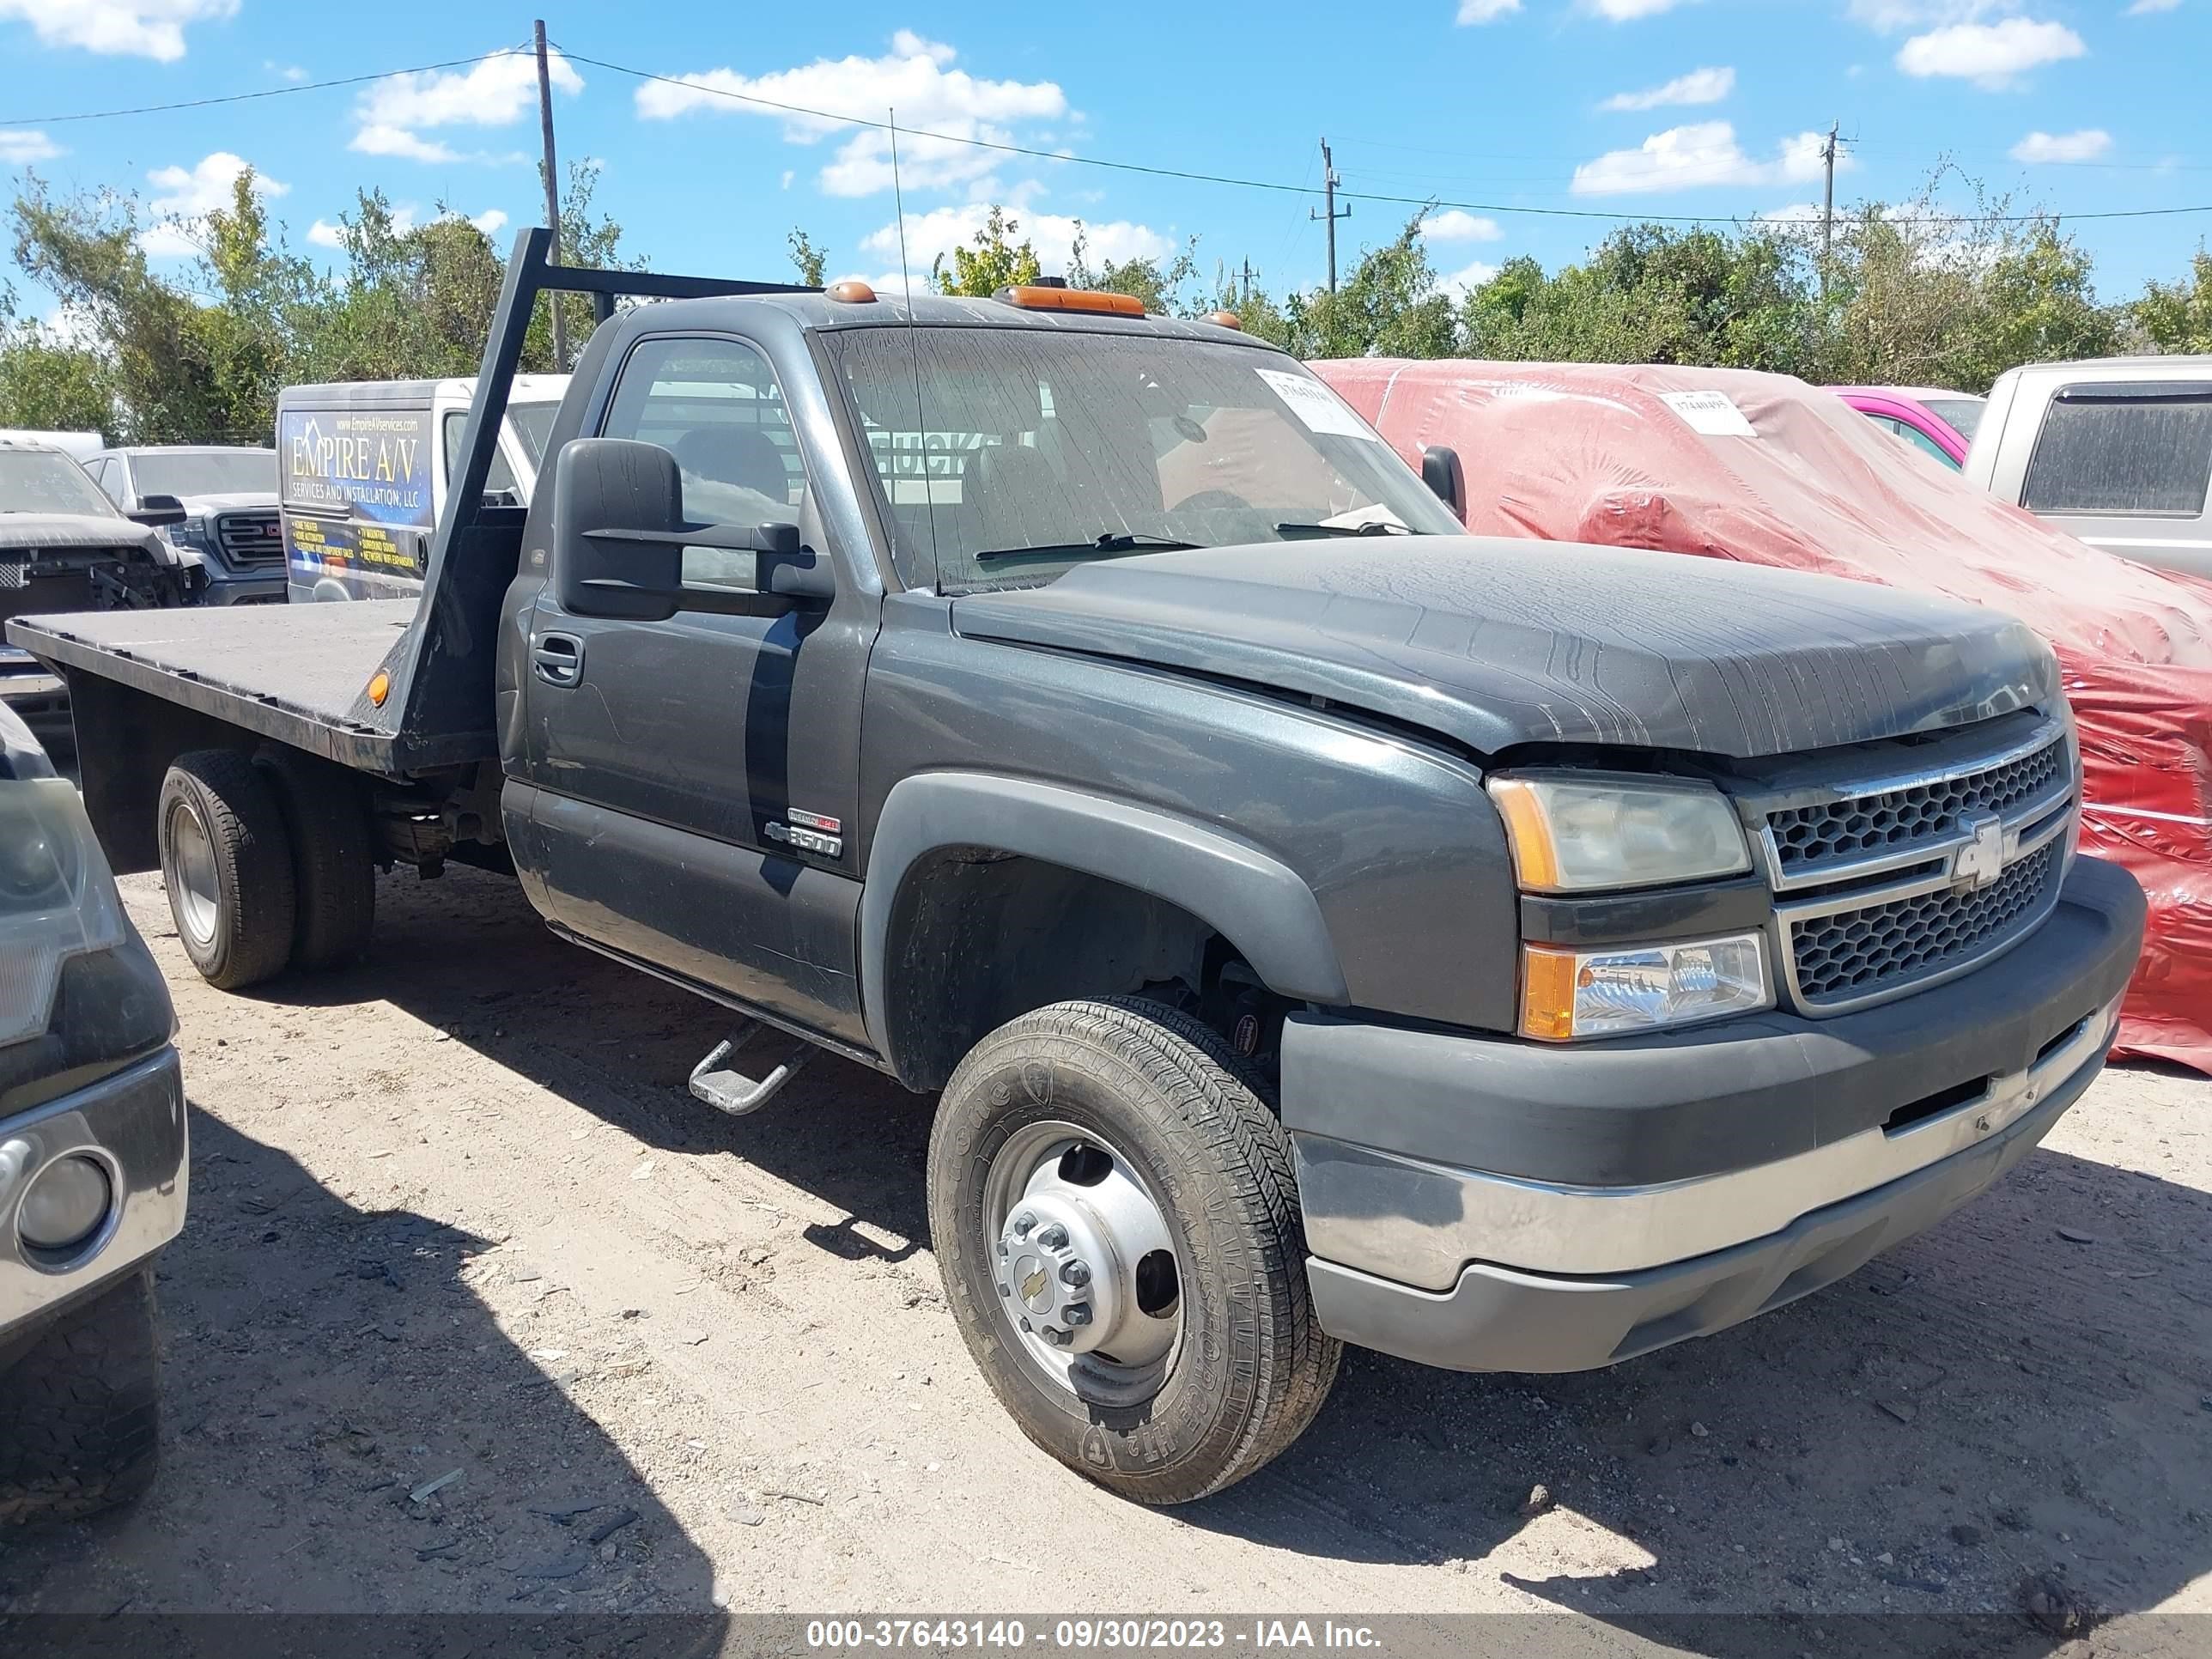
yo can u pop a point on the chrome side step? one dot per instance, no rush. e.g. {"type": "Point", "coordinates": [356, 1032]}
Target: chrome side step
{"type": "Point", "coordinates": [727, 1089]}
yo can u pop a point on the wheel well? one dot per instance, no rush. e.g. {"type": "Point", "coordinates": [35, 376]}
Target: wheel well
{"type": "Point", "coordinates": [980, 937]}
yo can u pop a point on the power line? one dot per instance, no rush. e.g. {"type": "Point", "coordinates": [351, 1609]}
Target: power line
{"type": "Point", "coordinates": [246, 97]}
{"type": "Point", "coordinates": [1142, 169]}
{"type": "Point", "coordinates": [1191, 176]}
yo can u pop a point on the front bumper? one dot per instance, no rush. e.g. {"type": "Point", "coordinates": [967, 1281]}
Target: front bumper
{"type": "Point", "coordinates": [40, 699]}
{"type": "Point", "coordinates": [228, 587]}
{"type": "Point", "coordinates": [133, 1124]}
{"type": "Point", "coordinates": [1490, 1205]}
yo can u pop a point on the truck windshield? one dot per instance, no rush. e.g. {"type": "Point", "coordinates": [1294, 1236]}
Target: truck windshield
{"type": "Point", "coordinates": [47, 481]}
{"type": "Point", "coordinates": [182, 472]}
{"type": "Point", "coordinates": [1033, 450]}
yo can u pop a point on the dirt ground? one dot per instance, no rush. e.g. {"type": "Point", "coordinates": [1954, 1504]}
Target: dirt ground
{"type": "Point", "coordinates": [477, 1310]}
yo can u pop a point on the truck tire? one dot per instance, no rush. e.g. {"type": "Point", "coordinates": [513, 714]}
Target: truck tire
{"type": "Point", "coordinates": [227, 864]}
{"type": "Point", "coordinates": [80, 1413]}
{"type": "Point", "coordinates": [1113, 1209]}
{"type": "Point", "coordinates": [333, 860]}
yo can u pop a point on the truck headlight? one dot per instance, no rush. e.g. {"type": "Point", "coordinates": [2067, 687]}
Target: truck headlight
{"type": "Point", "coordinates": [1565, 994]}
{"type": "Point", "coordinates": [57, 898]}
{"type": "Point", "coordinates": [1572, 834]}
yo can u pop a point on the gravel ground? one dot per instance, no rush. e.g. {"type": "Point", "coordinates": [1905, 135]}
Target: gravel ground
{"type": "Point", "coordinates": [477, 1311]}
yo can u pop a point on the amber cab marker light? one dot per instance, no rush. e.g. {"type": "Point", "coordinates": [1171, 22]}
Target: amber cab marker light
{"type": "Point", "coordinates": [380, 687]}
{"type": "Point", "coordinates": [1225, 320]}
{"type": "Point", "coordinates": [851, 291]}
{"type": "Point", "coordinates": [1039, 298]}
{"type": "Point", "coordinates": [1548, 995]}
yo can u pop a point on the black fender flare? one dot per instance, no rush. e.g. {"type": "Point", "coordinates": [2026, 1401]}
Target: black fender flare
{"type": "Point", "coordinates": [1241, 891]}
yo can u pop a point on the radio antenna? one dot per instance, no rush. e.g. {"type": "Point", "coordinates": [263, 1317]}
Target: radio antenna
{"type": "Point", "coordinates": [914, 348]}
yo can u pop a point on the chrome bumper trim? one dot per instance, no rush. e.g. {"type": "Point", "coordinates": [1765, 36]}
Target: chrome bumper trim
{"type": "Point", "coordinates": [133, 1125]}
{"type": "Point", "coordinates": [1422, 1223]}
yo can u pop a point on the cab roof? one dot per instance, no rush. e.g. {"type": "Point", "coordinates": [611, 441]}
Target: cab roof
{"type": "Point", "coordinates": [819, 313]}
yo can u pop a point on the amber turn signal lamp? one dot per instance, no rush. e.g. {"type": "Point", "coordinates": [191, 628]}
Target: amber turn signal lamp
{"type": "Point", "coordinates": [1071, 298]}
{"type": "Point", "coordinates": [380, 687]}
{"type": "Point", "coordinates": [851, 291]}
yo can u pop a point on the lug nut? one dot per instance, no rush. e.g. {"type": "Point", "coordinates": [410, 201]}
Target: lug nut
{"type": "Point", "coordinates": [1023, 1223]}
{"type": "Point", "coordinates": [1027, 1325]}
{"type": "Point", "coordinates": [1054, 1237]}
{"type": "Point", "coordinates": [1075, 1274]}
{"type": "Point", "coordinates": [1058, 1339]}
{"type": "Point", "coordinates": [1078, 1313]}
{"type": "Point", "coordinates": [1005, 1289]}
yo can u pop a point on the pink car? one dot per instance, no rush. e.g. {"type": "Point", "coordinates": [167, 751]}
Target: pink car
{"type": "Point", "coordinates": [1941, 423]}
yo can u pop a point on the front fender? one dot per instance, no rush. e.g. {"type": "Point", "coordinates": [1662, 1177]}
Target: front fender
{"type": "Point", "coordinates": [1241, 892]}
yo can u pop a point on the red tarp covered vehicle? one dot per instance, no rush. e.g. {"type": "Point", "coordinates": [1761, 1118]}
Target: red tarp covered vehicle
{"type": "Point", "coordinates": [1736, 464]}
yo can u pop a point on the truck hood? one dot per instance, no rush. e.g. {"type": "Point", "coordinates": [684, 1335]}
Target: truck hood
{"type": "Point", "coordinates": [200, 506]}
{"type": "Point", "coordinates": [22, 530]}
{"type": "Point", "coordinates": [1494, 643]}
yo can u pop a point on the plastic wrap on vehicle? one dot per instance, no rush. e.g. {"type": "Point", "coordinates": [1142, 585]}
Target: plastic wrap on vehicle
{"type": "Point", "coordinates": [1766, 469]}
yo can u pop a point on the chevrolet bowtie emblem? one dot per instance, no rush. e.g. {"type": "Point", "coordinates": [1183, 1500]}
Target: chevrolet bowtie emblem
{"type": "Point", "coordinates": [1982, 860]}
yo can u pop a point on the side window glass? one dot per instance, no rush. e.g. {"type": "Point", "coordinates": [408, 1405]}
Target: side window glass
{"type": "Point", "coordinates": [499, 481]}
{"type": "Point", "coordinates": [109, 475]}
{"type": "Point", "coordinates": [1925, 444]}
{"type": "Point", "coordinates": [2134, 451]}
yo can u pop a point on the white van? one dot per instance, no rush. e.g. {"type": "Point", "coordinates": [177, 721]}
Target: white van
{"type": "Point", "coordinates": [363, 467]}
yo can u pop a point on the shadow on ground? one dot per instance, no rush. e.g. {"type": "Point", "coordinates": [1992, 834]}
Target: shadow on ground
{"type": "Point", "coordinates": [347, 1429]}
{"type": "Point", "coordinates": [1995, 1406]}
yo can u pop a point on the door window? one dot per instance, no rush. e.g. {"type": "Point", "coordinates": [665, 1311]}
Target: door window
{"type": "Point", "coordinates": [498, 482]}
{"type": "Point", "coordinates": [2123, 449]}
{"type": "Point", "coordinates": [107, 473]}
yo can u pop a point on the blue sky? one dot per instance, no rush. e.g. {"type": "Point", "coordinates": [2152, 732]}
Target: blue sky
{"type": "Point", "coordinates": [1627, 107]}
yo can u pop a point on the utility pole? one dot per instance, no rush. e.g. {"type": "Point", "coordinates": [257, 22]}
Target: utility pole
{"type": "Point", "coordinates": [1248, 279]}
{"type": "Point", "coordinates": [1828, 203]}
{"type": "Point", "coordinates": [1329, 181]}
{"type": "Point", "coordinates": [552, 194]}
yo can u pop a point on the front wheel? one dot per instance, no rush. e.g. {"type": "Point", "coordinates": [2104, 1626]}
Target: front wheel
{"type": "Point", "coordinates": [1112, 1206]}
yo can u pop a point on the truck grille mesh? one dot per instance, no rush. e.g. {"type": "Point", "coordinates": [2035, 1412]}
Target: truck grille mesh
{"type": "Point", "coordinates": [248, 538]}
{"type": "Point", "coordinates": [1882, 947]}
{"type": "Point", "coordinates": [1808, 840]}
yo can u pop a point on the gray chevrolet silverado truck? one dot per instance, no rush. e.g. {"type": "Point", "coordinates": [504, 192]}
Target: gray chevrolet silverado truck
{"type": "Point", "coordinates": [1317, 926]}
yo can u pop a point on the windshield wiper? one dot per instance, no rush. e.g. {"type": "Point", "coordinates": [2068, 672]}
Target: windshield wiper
{"type": "Point", "coordinates": [1372, 527]}
{"type": "Point", "coordinates": [1110, 541]}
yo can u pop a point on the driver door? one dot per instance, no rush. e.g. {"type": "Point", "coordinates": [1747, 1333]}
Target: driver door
{"type": "Point", "coordinates": [672, 757]}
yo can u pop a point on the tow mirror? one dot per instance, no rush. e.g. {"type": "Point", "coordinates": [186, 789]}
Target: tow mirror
{"type": "Point", "coordinates": [1446, 478]}
{"type": "Point", "coordinates": [626, 550]}
{"type": "Point", "coordinates": [157, 511]}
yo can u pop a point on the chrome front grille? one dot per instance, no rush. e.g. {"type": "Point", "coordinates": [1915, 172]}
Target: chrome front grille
{"type": "Point", "coordinates": [1893, 824]}
{"type": "Point", "coordinates": [250, 538]}
{"type": "Point", "coordinates": [1891, 879]}
{"type": "Point", "coordinates": [1846, 955]}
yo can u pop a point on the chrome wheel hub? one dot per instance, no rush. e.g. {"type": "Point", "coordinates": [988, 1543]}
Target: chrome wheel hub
{"type": "Point", "coordinates": [1084, 1262]}
{"type": "Point", "coordinates": [197, 889]}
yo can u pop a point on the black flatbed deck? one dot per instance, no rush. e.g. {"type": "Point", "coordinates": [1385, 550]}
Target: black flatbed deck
{"type": "Point", "coordinates": [297, 673]}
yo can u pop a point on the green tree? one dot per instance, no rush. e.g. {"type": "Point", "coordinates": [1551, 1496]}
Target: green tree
{"type": "Point", "coordinates": [46, 383]}
{"type": "Point", "coordinates": [1165, 288]}
{"type": "Point", "coordinates": [993, 261]}
{"type": "Point", "coordinates": [2177, 317]}
{"type": "Point", "coordinates": [810, 261]}
{"type": "Point", "coordinates": [1389, 307]}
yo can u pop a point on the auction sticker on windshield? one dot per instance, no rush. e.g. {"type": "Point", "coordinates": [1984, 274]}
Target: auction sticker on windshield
{"type": "Point", "coordinates": [1316, 405]}
{"type": "Point", "coordinates": [1713, 413]}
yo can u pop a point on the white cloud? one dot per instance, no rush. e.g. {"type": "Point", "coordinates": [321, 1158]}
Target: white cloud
{"type": "Point", "coordinates": [914, 77]}
{"type": "Point", "coordinates": [495, 91]}
{"type": "Point", "coordinates": [1703, 86]}
{"type": "Point", "coordinates": [134, 28]}
{"type": "Point", "coordinates": [1459, 283]}
{"type": "Point", "coordinates": [935, 233]}
{"type": "Point", "coordinates": [1703, 153]}
{"type": "Point", "coordinates": [1625, 11]}
{"type": "Point", "coordinates": [1486, 11]}
{"type": "Point", "coordinates": [2146, 8]}
{"type": "Point", "coordinates": [1993, 56]}
{"type": "Point", "coordinates": [21, 146]}
{"type": "Point", "coordinates": [325, 233]}
{"type": "Point", "coordinates": [1456, 225]}
{"type": "Point", "coordinates": [2085, 145]}
{"type": "Point", "coordinates": [189, 195]}
{"type": "Point", "coordinates": [491, 222]}
{"type": "Point", "coordinates": [284, 71]}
